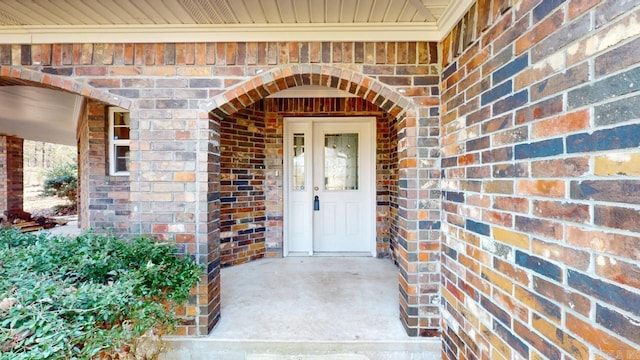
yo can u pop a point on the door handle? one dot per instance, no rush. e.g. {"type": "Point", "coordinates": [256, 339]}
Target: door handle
{"type": "Point", "coordinates": [316, 203]}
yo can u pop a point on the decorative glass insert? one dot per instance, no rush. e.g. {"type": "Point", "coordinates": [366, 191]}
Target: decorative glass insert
{"type": "Point", "coordinates": [341, 162]}
{"type": "Point", "coordinates": [298, 162]}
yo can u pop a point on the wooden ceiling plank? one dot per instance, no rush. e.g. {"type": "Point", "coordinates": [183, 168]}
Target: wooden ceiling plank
{"type": "Point", "coordinates": [391, 11]}
{"type": "Point", "coordinates": [132, 11]}
{"type": "Point", "coordinates": [88, 12]}
{"type": "Point", "coordinates": [166, 12]}
{"type": "Point", "coordinates": [423, 10]}
{"type": "Point", "coordinates": [109, 6]}
{"type": "Point", "coordinates": [362, 11]}
{"type": "Point", "coordinates": [333, 10]}
{"type": "Point", "coordinates": [88, 8]}
{"type": "Point", "coordinates": [240, 11]}
{"type": "Point", "coordinates": [178, 12]}
{"type": "Point", "coordinates": [404, 16]}
{"type": "Point", "coordinates": [68, 13]}
{"type": "Point", "coordinates": [378, 11]}
{"type": "Point", "coordinates": [32, 12]}
{"type": "Point", "coordinates": [301, 10]}
{"type": "Point", "coordinates": [316, 11]}
{"type": "Point", "coordinates": [151, 7]}
{"type": "Point", "coordinates": [123, 16]}
{"type": "Point", "coordinates": [348, 12]}
{"type": "Point", "coordinates": [254, 8]}
{"type": "Point", "coordinates": [286, 11]}
{"type": "Point", "coordinates": [271, 13]}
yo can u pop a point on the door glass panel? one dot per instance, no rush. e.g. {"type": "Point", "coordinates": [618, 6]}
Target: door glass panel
{"type": "Point", "coordinates": [341, 162]}
{"type": "Point", "coordinates": [298, 162]}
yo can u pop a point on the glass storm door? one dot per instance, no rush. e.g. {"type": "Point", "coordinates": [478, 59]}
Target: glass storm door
{"type": "Point", "coordinates": [330, 193]}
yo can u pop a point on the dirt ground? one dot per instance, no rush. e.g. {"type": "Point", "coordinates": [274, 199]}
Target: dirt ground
{"type": "Point", "coordinates": [40, 205]}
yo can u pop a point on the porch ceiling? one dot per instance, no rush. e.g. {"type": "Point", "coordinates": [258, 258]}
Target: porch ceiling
{"type": "Point", "coordinates": [39, 114]}
{"type": "Point", "coordinates": [46, 21]}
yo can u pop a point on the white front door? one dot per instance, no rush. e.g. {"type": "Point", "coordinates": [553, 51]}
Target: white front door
{"type": "Point", "coordinates": [329, 185]}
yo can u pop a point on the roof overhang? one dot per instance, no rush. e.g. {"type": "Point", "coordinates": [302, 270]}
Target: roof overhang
{"type": "Point", "coordinates": [50, 34]}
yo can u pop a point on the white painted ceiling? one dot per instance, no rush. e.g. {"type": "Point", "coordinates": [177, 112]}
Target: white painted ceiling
{"type": "Point", "coordinates": [163, 12]}
{"type": "Point", "coordinates": [49, 21]}
{"type": "Point", "coordinates": [48, 115]}
{"type": "Point", "coordinates": [39, 114]}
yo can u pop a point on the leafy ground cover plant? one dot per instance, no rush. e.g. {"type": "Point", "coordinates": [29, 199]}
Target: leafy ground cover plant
{"type": "Point", "coordinates": [87, 297]}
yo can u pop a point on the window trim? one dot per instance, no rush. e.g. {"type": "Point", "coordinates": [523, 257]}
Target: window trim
{"type": "Point", "coordinates": [113, 143]}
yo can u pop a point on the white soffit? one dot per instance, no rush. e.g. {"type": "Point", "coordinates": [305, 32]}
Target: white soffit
{"type": "Point", "coordinates": [102, 21]}
{"type": "Point", "coordinates": [217, 33]}
{"type": "Point", "coordinates": [39, 114]}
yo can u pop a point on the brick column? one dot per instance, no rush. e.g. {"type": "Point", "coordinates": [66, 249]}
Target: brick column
{"type": "Point", "coordinates": [418, 220]}
{"type": "Point", "coordinates": [429, 220]}
{"type": "Point", "coordinates": [407, 224]}
{"type": "Point", "coordinates": [208, 299]}
{"type": "Point", "coordinates": [11, 174]}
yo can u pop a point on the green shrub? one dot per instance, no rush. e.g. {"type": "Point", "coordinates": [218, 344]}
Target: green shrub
{"type": "Point", "coordinates": [62, 181]}
{"type": "Point", "coordinates": [92, 296]}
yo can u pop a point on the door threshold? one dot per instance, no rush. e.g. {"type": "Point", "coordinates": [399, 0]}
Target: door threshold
{"type": "Point", "coordinates": [329, 254]}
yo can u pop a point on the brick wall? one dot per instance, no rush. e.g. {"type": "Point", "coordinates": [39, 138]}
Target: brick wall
{"type": "Point", "coordinates": [540, 139]}
{"type": "Point", "coordinates": [11, 174]}
{"type": "Point", "coordinates": [178, 94]}
{"type": "Point", "coordinates": [104, 203]}
{"type": "Point", "coordinates": [242, 187]}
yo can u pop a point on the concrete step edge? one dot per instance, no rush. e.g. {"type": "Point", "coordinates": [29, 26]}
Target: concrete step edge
{"type": "Point", "coordinates": [208, 344]}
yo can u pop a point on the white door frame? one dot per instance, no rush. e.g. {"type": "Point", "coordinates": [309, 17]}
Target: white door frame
{"type": "Point", "coordinates": [294, 125]}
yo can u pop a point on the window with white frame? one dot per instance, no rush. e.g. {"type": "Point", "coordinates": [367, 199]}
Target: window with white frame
{"type": "Point", "coordinates": [119, 127]}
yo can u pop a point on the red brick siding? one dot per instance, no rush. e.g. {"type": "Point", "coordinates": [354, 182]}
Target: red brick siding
{"type": "Point", "coordinates": [242, 187]}
{"type": "Point", "coordinates": [539, 136]}
{"type": "Point", "coordinates": [104, 203]}
{"type": "Point", "coordinates": [178, 94]}
{"type": "Point", "coordinates": [11, 174]}
{"type": "Point", "coordinates": [235, 57]}
{"type": "Point", "coordinates": [392, 187]}
{"type": "Point", "coordinates": [82, 139]}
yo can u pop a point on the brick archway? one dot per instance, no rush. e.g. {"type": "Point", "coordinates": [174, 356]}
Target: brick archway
{"type": "Point", "coordinates": [417, 227]}
{"type": "Point", "coordinates": [17, 75]}
{"type": "Point", "coordinates": [282, 78]}
{"type": "Point", "coordinates": [93, 109]}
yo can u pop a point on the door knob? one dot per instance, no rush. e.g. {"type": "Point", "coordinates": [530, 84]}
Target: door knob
{"type": "Point", "coordinates": [316, 188]}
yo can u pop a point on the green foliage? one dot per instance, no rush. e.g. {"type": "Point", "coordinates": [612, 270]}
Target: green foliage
{"type": "Point", "coordinates": [86, 297]}
{"type": "Point", "coordinates": [62, 181]}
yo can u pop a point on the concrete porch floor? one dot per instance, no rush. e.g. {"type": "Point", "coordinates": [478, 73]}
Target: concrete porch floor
{"type": "Point", "coordinates": [308, 308]}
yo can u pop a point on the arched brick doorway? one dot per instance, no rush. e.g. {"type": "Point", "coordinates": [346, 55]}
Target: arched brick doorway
{"type": "Point", "coordinates": [89, 133]}
{"type": "Point", "coordinates": [414, 216]}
